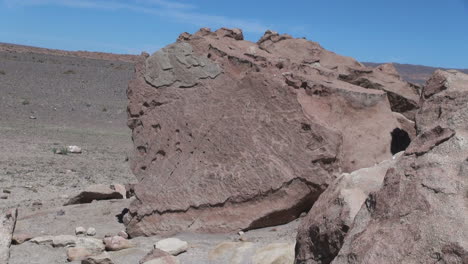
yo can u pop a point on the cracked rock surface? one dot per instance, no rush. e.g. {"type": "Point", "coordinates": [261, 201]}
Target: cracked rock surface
{"type": "Point", "coordinates": [419, 215]}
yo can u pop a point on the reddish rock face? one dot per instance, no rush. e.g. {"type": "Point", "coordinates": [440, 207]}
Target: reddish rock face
{"type": "Point", "coordinates": [231, 134]}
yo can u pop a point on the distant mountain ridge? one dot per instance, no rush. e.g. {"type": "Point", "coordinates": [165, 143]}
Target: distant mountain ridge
{"type": "Point", "coordinates": [418, 74]}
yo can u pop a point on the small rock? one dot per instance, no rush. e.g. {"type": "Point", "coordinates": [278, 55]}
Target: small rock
{"type": "Point", "coordinates": [74, 149]}
{"type": "Point", "coordinates": [116, 243]}
{"type": "Point", "coordinates": [19, 239]}
{"type": "Point", "coordinates": [60, 212]}
{"type": "Point", "coordinates": [103, 258]}
{"type": "Point", "coordinates": [95, 192]}
{"type": "Point", "coordinates": [64, 241]}
{"type": "Point", "coordinates": [173, 246]}
{"type": "Point", "coordinates": [37, 204]}
{"type": "Point", "coordinates": [32, 117]}
{"type": "Point", "coordinates": [42, 240]}
{"type": "Point", "coordinates": [79, 253]}
{"type": "Point", "coordinates": [91, 231]}
{"type": "Point", "coordinates": [3, 196]}
{"type": "Point", "coordinates": [80, 230]}
{"type": "Point", "coordinates": [6, 191]}
{"type": "Point", "coordinates": [123, 234]}
{"type": "Point", "coordinates": [241, 233]}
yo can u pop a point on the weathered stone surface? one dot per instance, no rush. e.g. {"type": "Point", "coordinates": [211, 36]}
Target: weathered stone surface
{"type": "Point", "coordinates": [158, 255]}
{"type": "Point", "coordinates": [62, 220]}
{"type": "Point", "coordinates": [231, 252]}
{"type": "Point", "coordinates": [321, 234]}
{"type": "Point", "coordinates": [260, 134]}
{"type": "Point", "coordinates": [419, 215]}
{"type": "Point", "coordinates": [173, 246]}
{"type": "Point", "coordinates": [429, 139]}
{"type": "Point", "coordinates": [64, 240]}
{"type": "Point", "coordinates": [177, 64]}
{"type": "Point", "coordinates": [7, 227]}
{"type": "Point", "coordinates": [103, 258]}
{"type": "Point", "coordinates": [163, 260]}
{"type": "Point", "coordinates": [78, 253]}
{"type": "Point", "coordinates": [97, 192]}
{"type": "Point", "coordinates": [277, 253]}
{"type": "Point", "coordinates": [445, 105]}
{"type": "Point", "coordinates": [403, 96]}
{"type": "Point", "coordinates": [117, 243]}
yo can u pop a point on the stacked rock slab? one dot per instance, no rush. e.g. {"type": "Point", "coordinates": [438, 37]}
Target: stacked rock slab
{"type": "Point", "coordinates": [231, 135]}
{"type": "Point", "coordinates": [419, 215]}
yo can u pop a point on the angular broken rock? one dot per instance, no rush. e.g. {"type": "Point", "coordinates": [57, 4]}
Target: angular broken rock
{"type": "Point", "coordinates": [429, 139]}
{"type": "Point", "coordinates": [96, 192]}
{"type": "Point", "coordinates": [419, 215]}
{"type": "Point", "coordinates": [173, 246]}
{"type": "Point", "coordinates": [7, 227]}
{"type": "Point", "coordinates": [224, 141]}
{"type": "Point", "coordinates": [321, 234]}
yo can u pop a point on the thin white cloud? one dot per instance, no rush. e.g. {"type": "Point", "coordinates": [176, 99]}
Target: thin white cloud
{"type": "Point", "coordinates": [167, 4]}
{"type": "Point", "coordinates": [176, 11]}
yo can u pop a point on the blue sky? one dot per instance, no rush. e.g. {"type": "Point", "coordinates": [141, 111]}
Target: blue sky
{"type": "Point", "coordinates": [428, 32]}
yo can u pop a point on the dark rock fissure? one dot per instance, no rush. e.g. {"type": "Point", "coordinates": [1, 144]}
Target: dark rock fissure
{"type": "Point", "coordinates": [400, 140]}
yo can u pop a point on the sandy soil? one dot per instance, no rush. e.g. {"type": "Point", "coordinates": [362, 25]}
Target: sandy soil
{"type": "Point", "coordinates": [75, 101]}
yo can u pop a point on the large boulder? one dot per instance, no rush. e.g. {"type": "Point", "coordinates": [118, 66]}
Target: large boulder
{"type": "Point", "coordinates": [231, 135]}
{"type": "Point", "coordinates": [419, 215]}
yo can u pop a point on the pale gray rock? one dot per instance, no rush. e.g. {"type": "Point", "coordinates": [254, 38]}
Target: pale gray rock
{"type": "Point", "coordinates": [173, 246]}
{"type": "Point", "coordinates": [80, 230]}
{"type": "Point", "coordinates": [117, 243]}
{"type": "Point", "coordinates": [91, 231]}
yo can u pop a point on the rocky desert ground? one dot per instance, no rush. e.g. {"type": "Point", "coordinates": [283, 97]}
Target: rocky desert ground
{"type": "Point", "coordinates": [216, 149]}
